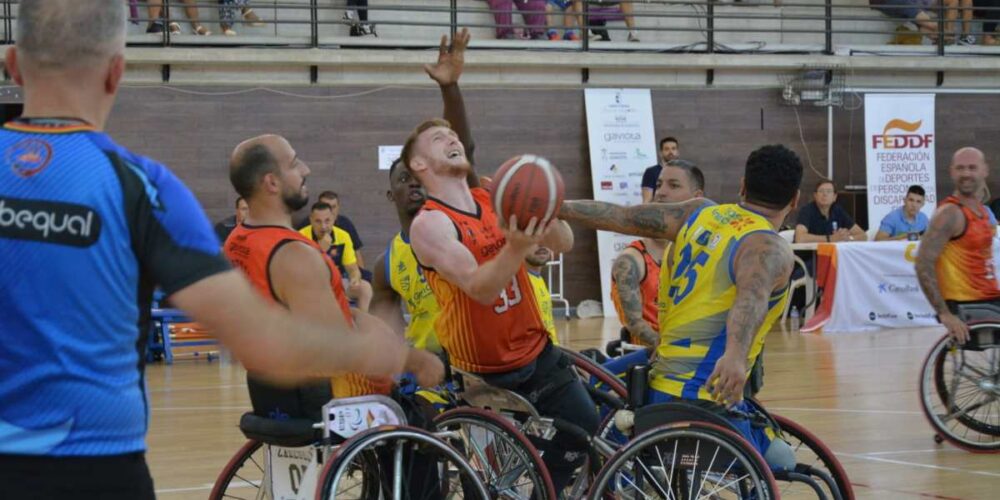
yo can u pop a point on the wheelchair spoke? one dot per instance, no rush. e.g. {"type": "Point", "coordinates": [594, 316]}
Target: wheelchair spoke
{"type": "Point", "coordinates": [697, 455]}
{"type": "Point", "coordinates": [701, 486]}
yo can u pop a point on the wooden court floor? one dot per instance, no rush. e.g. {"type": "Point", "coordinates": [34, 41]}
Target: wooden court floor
{"type": "Point", "coordinates": [858, 392]}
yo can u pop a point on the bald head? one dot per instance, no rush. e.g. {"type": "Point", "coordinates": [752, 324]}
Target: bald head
{"type": "Point", "coordinates": [968, 171]}
{"type": "Point", "coordinates": [252, 160]}
{"type": "Point", "coordinates": [70, 34]}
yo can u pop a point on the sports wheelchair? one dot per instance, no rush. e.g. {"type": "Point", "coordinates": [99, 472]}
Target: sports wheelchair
{"type": "Point", "coordinates": [960, 384]}
{"type": "Point", "coordinates": [686, 450]}
{"type": "Point", "coordinates": [362, 449]}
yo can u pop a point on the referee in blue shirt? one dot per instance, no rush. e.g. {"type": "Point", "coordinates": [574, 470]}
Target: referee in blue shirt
{"type": "Point", "coordinates": [87, 229]}
{"type": "Point", "coordinates": [907, 221]}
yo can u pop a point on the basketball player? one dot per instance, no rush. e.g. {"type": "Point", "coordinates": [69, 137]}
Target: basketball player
{"type": "Point", "coordinates": [536, 261]}
{"type": "Point", "coordinates": [398, 278]}
{"type": "Point", "coordinates": [955, 262]}
{"type": "Point", "coordinates": [729, 283]}
{"type": "Point", "coordinates": [490, 322]}
{"type": "Point", "coordinates": [285, 266]}
{"type": "Point", "coordinates": [106, 226]}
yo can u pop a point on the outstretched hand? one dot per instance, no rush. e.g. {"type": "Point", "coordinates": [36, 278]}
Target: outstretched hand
{"type": "Point", "coordinates": [451, 59]}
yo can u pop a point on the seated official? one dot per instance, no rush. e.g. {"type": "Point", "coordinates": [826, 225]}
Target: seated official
{"type": "Point", "coordinates": [907, 221]}
{"type": "Point", "coordinates": [824, 221]}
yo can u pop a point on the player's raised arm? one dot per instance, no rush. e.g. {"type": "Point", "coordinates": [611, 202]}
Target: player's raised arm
{"type": "Point", "coordinates": [446, 72]}
{"type": "Point", "coordinates": [651, 220]}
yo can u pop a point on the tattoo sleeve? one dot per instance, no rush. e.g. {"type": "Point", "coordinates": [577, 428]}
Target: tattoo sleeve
{"type": "Point", "coordinates": [627, 276]}
{"type": "Point", "coordinates": [651, 220]}
{"type": "Point", "coordinates": [943, 227]}
{"type": "Point", "coordinates": [763, 265]}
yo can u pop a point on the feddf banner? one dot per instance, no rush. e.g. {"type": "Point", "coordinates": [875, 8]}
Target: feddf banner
{"type": "Point", "coordinates": [622, 144]}
{"type": "Point", "coordinates": [899, 133]}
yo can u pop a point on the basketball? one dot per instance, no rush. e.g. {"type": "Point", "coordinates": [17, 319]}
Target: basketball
{"type": "Point", "coordinates": [527, 186]}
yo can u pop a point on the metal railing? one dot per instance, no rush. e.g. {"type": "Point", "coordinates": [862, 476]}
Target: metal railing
{"type": "Point", "coordinates": [704, 26]}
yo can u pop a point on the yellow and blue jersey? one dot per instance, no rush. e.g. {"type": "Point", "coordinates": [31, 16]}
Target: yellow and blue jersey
{"type": "Point", "coordinates": [342, 249]}
{"type": "Point", "coordinates": [407, 278]}
{"type": "Point", "coordinates": [700, 293]}
{"type": "Point", "coordinates": [544, 298]}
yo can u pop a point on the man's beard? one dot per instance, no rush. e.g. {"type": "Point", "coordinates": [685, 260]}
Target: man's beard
{"type": "Point", "coordinates": [294, 201]}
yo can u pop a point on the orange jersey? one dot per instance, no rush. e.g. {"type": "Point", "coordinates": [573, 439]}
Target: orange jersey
{"type": "Point", "coordinates": [502, 336]}
{"type": "Point", "coordinates": [649, 287]}
{"type": "Point", "coordinates": [251, 247]}
{"type": "Point", "coordinates": [965, 269]}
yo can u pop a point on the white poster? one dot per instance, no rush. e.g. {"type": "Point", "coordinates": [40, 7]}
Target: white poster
{"type": "Point", "coordinates": [387, 155]}
{"type": "Point", "coordinates": [622, 144]}
{"type": "Point", "coordinates": [899, 129]}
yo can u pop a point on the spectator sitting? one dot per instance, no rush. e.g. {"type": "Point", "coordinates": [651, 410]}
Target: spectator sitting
{"type": "Point", "coordinates": [823, 220]}
{"type": "Point", "coordinates": [533, 12]}
{"type": "Point", "coordinates": [337, 244]}
{"type": "Point", "coordinates": [906, 222]}
{"type": "Point", "coordinates": [571, 17]}
{"type": "Point", "coordinates": [157, 14]}
{"type": "Point", "coordinates": [669, 150]}
{"type": "Point", "coordinates": [989, 12]}
{"type": "Point", "coordinates": [358, 18]}
{"type": "Point", "coordinates": [919, 12]}
{"type": "Point", "coordinates": [606, 7]}
{"type": "Point", "coordinates": [226, 226]}
{"type": "Point", "coordinates": [227, 15]}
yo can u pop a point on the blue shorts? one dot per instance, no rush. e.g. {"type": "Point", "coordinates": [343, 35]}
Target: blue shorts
{"type": "Point", "coordinates": [561, 4]}
{"type": "Point", "coordinates": [758, 437]}
{"type": "Point", "coordinates": [899, 9]}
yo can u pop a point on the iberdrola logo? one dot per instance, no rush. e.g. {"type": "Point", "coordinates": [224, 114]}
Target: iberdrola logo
{"type": "Point", "coordinates": [890, 138]}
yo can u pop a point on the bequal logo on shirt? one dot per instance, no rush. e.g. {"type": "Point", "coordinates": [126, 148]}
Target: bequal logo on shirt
{"type": "Point", "coordinates": [49, 222]}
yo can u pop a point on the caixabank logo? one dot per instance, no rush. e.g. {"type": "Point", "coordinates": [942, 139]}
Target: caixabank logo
{"type": "Point", "coordinates": [901, 134]}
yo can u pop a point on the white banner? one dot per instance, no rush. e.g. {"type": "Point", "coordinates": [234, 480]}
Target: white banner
{"type": "Point", "coordinates": [293, 474]}
{"type": "Point", "coordinates": [899, 129]}
{"type": "Point", "coordinates": [622, 144]}
{"type": "Point", "coordinates": [877, 288]}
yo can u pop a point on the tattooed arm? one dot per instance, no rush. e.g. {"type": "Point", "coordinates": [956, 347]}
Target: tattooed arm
{"type": "Point", "coordinates": [946, 224]}
{"type": "Point", "coordinates": [628, 272]}
{"type": "Point", "coordinates": [762, 265]}
{"type": "Point", "coordinates": [651, 220]}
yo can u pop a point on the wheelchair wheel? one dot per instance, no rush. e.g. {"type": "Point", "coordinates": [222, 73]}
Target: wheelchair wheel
{"type": "Point", "coordinates": [960, 392]}
{"type": "Point", "coordinates": [405, 463]}
{"type": "Point", "coordinates": [686, 460]}
{"type": "Point", "coordinates": [812, 455]}
{"type": "Point", "coordinates": [243, 476]}
{"type": "Point", "coordinates": [504, 458]}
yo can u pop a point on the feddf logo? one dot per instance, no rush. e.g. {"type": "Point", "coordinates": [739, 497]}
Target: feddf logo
{"type": "Point", "coordinates": [889, 140]}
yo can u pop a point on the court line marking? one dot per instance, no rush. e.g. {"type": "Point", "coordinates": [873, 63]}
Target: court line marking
{"type": "Point", "coordinates": [206, 486]}
{"type": "Point", "coordinates": [845, 410]}
{"type": "Point", "coordinates": [903, 452]}
{"type": "Point", "coordinates": [924, 466]}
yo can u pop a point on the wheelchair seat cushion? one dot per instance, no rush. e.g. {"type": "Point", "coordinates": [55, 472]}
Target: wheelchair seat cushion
{"type": "Point", "coordinates": [292, 432]}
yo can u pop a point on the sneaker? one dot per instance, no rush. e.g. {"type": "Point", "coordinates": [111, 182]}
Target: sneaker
{"type": "Point", "coordinates": [967, 40]}
{"type": "Point", "coordinates": [571, 36]}
{"type": "Point", "coordinates": [553, 35]}
{"type": "Point", "coordinates": [538, 35]}
{"type": "Point", "coordinates": [155, 27]}
{"type": "Point", "coordinates": [632, 37]}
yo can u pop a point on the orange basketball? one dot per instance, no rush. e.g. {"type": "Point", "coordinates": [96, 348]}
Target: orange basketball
{"type": "Point", "coordinates": [527, 186]}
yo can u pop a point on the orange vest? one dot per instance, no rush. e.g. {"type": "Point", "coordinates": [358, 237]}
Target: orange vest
{"type": "Point", "coordinates": [502, 336]}
{"type": "Point", "coordinates": [250, 248]}
{"type": "Point", "coordinates": [965, 269]}
{"type": "Point", "coordinates": [649, 287]}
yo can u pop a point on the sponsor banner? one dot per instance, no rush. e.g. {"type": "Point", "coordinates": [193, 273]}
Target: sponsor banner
{"type": "Point", "coordinates": [899, 129]}
{"type": "Point", "coordinates": [622, 144]}
{"type": "Point", "coordinates": [877, 287]}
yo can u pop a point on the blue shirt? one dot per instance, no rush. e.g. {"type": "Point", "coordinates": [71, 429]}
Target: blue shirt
{"type": "Point", "coordinates": [86, 231]}
{"type": "Point", "coordinates": [895, 223]}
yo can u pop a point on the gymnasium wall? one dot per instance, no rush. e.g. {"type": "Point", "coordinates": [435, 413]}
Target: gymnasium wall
{"type": "Point", "coordinates": [193, 130]}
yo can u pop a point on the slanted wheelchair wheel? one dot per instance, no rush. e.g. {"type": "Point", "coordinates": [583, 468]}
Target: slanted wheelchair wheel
{"type": "Point", "coordinates": [244, 475]}
{"type": "Point", "coordinates": [813, 454]}
{"type": "Point", "coordinates": [960, 391]}
{"type": "Point", "coordinates": [405, 463]}
{"type": "Point", "coordinates": [686, 460]}
{"type": "Point", "coordinates": [504, 458]}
